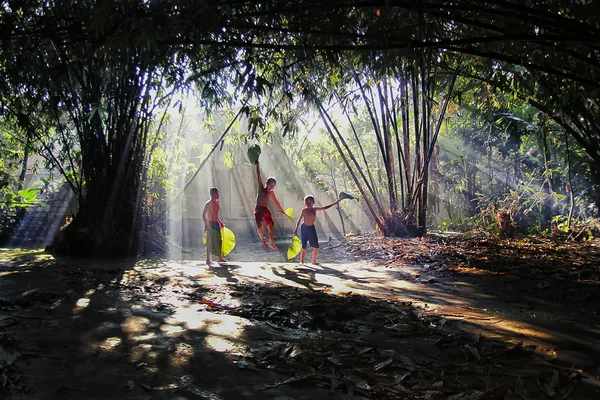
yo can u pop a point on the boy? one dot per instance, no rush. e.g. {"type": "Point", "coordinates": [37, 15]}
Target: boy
{"type": "Point", "coordinates": [262, 212]}
{"type": "Point", "coordinates": [308, 231]}
{"type": "Point", "coordinates": [212, 226]}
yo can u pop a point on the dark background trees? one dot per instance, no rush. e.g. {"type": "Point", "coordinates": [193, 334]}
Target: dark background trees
{"type": "Point", "coordinates": [84, 82]}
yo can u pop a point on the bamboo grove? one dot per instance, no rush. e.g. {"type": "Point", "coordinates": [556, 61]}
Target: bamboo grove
{"type": "Point", "coordinates": [85, 84]}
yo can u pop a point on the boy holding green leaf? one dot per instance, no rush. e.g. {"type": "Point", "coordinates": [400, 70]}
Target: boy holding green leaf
{"type": "Point", "coordinates": [262, 212]}
{"type": "Point", "coordinates": [308, 230]}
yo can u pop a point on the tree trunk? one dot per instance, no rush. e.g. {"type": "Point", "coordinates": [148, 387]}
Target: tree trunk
{"type": "Point", "coordinates": [23, 173]}
{"type": "Point", "coordinates": [595, 170]}
{"type": "Point", "coordinates": [106, 224]}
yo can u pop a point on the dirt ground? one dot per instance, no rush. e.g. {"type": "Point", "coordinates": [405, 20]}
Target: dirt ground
{"type": "Point", "coordinates": [438, 318]}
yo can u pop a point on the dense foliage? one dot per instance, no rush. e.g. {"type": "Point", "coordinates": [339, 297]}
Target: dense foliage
{"type": "Point", "coordinates": [84, 84]}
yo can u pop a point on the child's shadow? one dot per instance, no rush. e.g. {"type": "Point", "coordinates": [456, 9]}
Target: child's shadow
{"type": "Point", "coordinates": [223, 270]}
{"type": "Point", "coordinates": [302, 275]}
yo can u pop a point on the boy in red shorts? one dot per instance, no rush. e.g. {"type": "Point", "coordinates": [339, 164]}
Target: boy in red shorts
{"type": "Point", "coordinates": [262, 212]}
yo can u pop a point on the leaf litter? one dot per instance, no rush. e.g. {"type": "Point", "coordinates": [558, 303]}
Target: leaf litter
{"type": "Point", "coordinates": [376, 348]}
{"type": "Point", "coordinates": [354, 344]}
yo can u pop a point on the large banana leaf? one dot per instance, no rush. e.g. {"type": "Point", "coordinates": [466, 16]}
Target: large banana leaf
{"type": "Point", "coordinates": [253, 153]}
{"type": "Point", "coordinates": [344, 195]}
{"type": "Point", "coordinates": [228, 241]}
{"type": "Point", "coordinates": [294, 248]}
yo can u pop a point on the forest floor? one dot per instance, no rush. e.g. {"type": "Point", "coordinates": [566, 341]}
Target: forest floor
{"type": "Point", "coordinates": [443, 317]}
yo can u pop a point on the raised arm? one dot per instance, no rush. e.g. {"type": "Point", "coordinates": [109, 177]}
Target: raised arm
{"type": "Point", "coordinates": [327, 206]}
{"type": "Point", "coordinates": [260, 182]}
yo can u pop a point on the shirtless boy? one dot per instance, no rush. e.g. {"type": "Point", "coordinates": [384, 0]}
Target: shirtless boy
{"type": "Point", "coordinates": [308, 230]}
{"type": "Point", "coordinates": [212, 226]}
{"type": "Point", "coordinates": [262, 212]}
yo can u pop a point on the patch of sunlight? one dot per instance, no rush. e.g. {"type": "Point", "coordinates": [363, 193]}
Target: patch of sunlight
{"type": "Point", "coordinates": [30, 292]}
{"type": "Point", "coordinates": [175, 269]}
{"type": "Point", "coordinates": [524, 329]}
{"type": "Point", "coordinates": [182, 355]}
{"type": "Point", "coordinates": [111, 310]}
{"type": "Point", "coordinates": [110, 344]}
{"type": "Point", "coordinates": [219, 344]}
{"type": "Point", "coordinates": [135, 324]}
{"type": "Point", "coordinates": [178, 302]}
{"type": "Point", "coordinates": [510, 327]}
{"type": "Point", "coordinates": [223, 330]}
{"type": "Point", "coordinates": [188, 316]}
{"type": "Point", "coordinates": [255, 269]}
{"type": "Point", "coordinates": [140, 352]}
{"type": "Point", "coordinates": [172, 330]}
{"type": "Point", "coordinates": [22, 252]}
{"type": "Point", "coordinates": [6, 273]}
{"type": "Point", "coordinates": [303, 275]}
{"type": "Point", "coordinates": [81, 304]}
{"type": "Point", "coordinates": [128, 277]}
{"type": "Point", "coordinates": [336, 285]}
{"type": "Point", "coordinates": [146, 337]}
{"type": "Point", "coordinates": [90, 346]}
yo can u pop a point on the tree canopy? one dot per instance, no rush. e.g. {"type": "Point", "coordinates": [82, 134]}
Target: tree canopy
{"type": "Point", "coordinates": [84, 80]}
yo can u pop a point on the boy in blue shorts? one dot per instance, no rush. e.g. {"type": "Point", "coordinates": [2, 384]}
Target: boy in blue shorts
{"type": "Point", "coordinates": [308, 232]}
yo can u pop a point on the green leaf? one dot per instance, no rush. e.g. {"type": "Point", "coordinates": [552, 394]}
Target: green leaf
{"type": "Point", "coordinates": [228, 159]}
{"type": "Point", "coordinates": [254, 153]}
{"type": "Point", "coordinates": [294, 248]}
{"type": "Point", "coordinates": [344, 195]}
{"type": "Point", "coordinates": [333, 79]}
{"type": "Point", "coordinates": [29, 195]}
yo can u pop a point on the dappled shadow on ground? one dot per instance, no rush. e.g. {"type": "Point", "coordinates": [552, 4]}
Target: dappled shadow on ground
{"type": "Point", "coordinates": [403, 325]}
{"type": "Point", "coordinates": [543, 293]}
{"type": "Point", "coordinates": [308, 275]}
{"type": "Point", "coordinates": [89, 331]}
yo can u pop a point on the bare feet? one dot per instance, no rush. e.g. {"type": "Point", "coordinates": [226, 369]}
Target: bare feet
{"type": "Point", "coordinates": [315, 262]}
{"type": "Point", "coordinates": [221, 259]}
{"type": "Point", "coordinates": [264, 242]}
{"type": "Point", "coordinates": [208, 262]}
{"type": "Point", "coordinates": [274, 247]}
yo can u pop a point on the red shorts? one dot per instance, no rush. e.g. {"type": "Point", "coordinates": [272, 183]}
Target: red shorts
{"type": "Point", "coordinates": [263, 214]}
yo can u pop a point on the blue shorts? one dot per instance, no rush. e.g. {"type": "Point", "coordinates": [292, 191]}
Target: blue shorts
{"type": "Point", "coordinates": [309, 235]}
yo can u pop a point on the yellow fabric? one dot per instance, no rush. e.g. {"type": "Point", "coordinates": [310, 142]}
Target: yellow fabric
{"type": "Point", "coordinates": [294, 248]}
